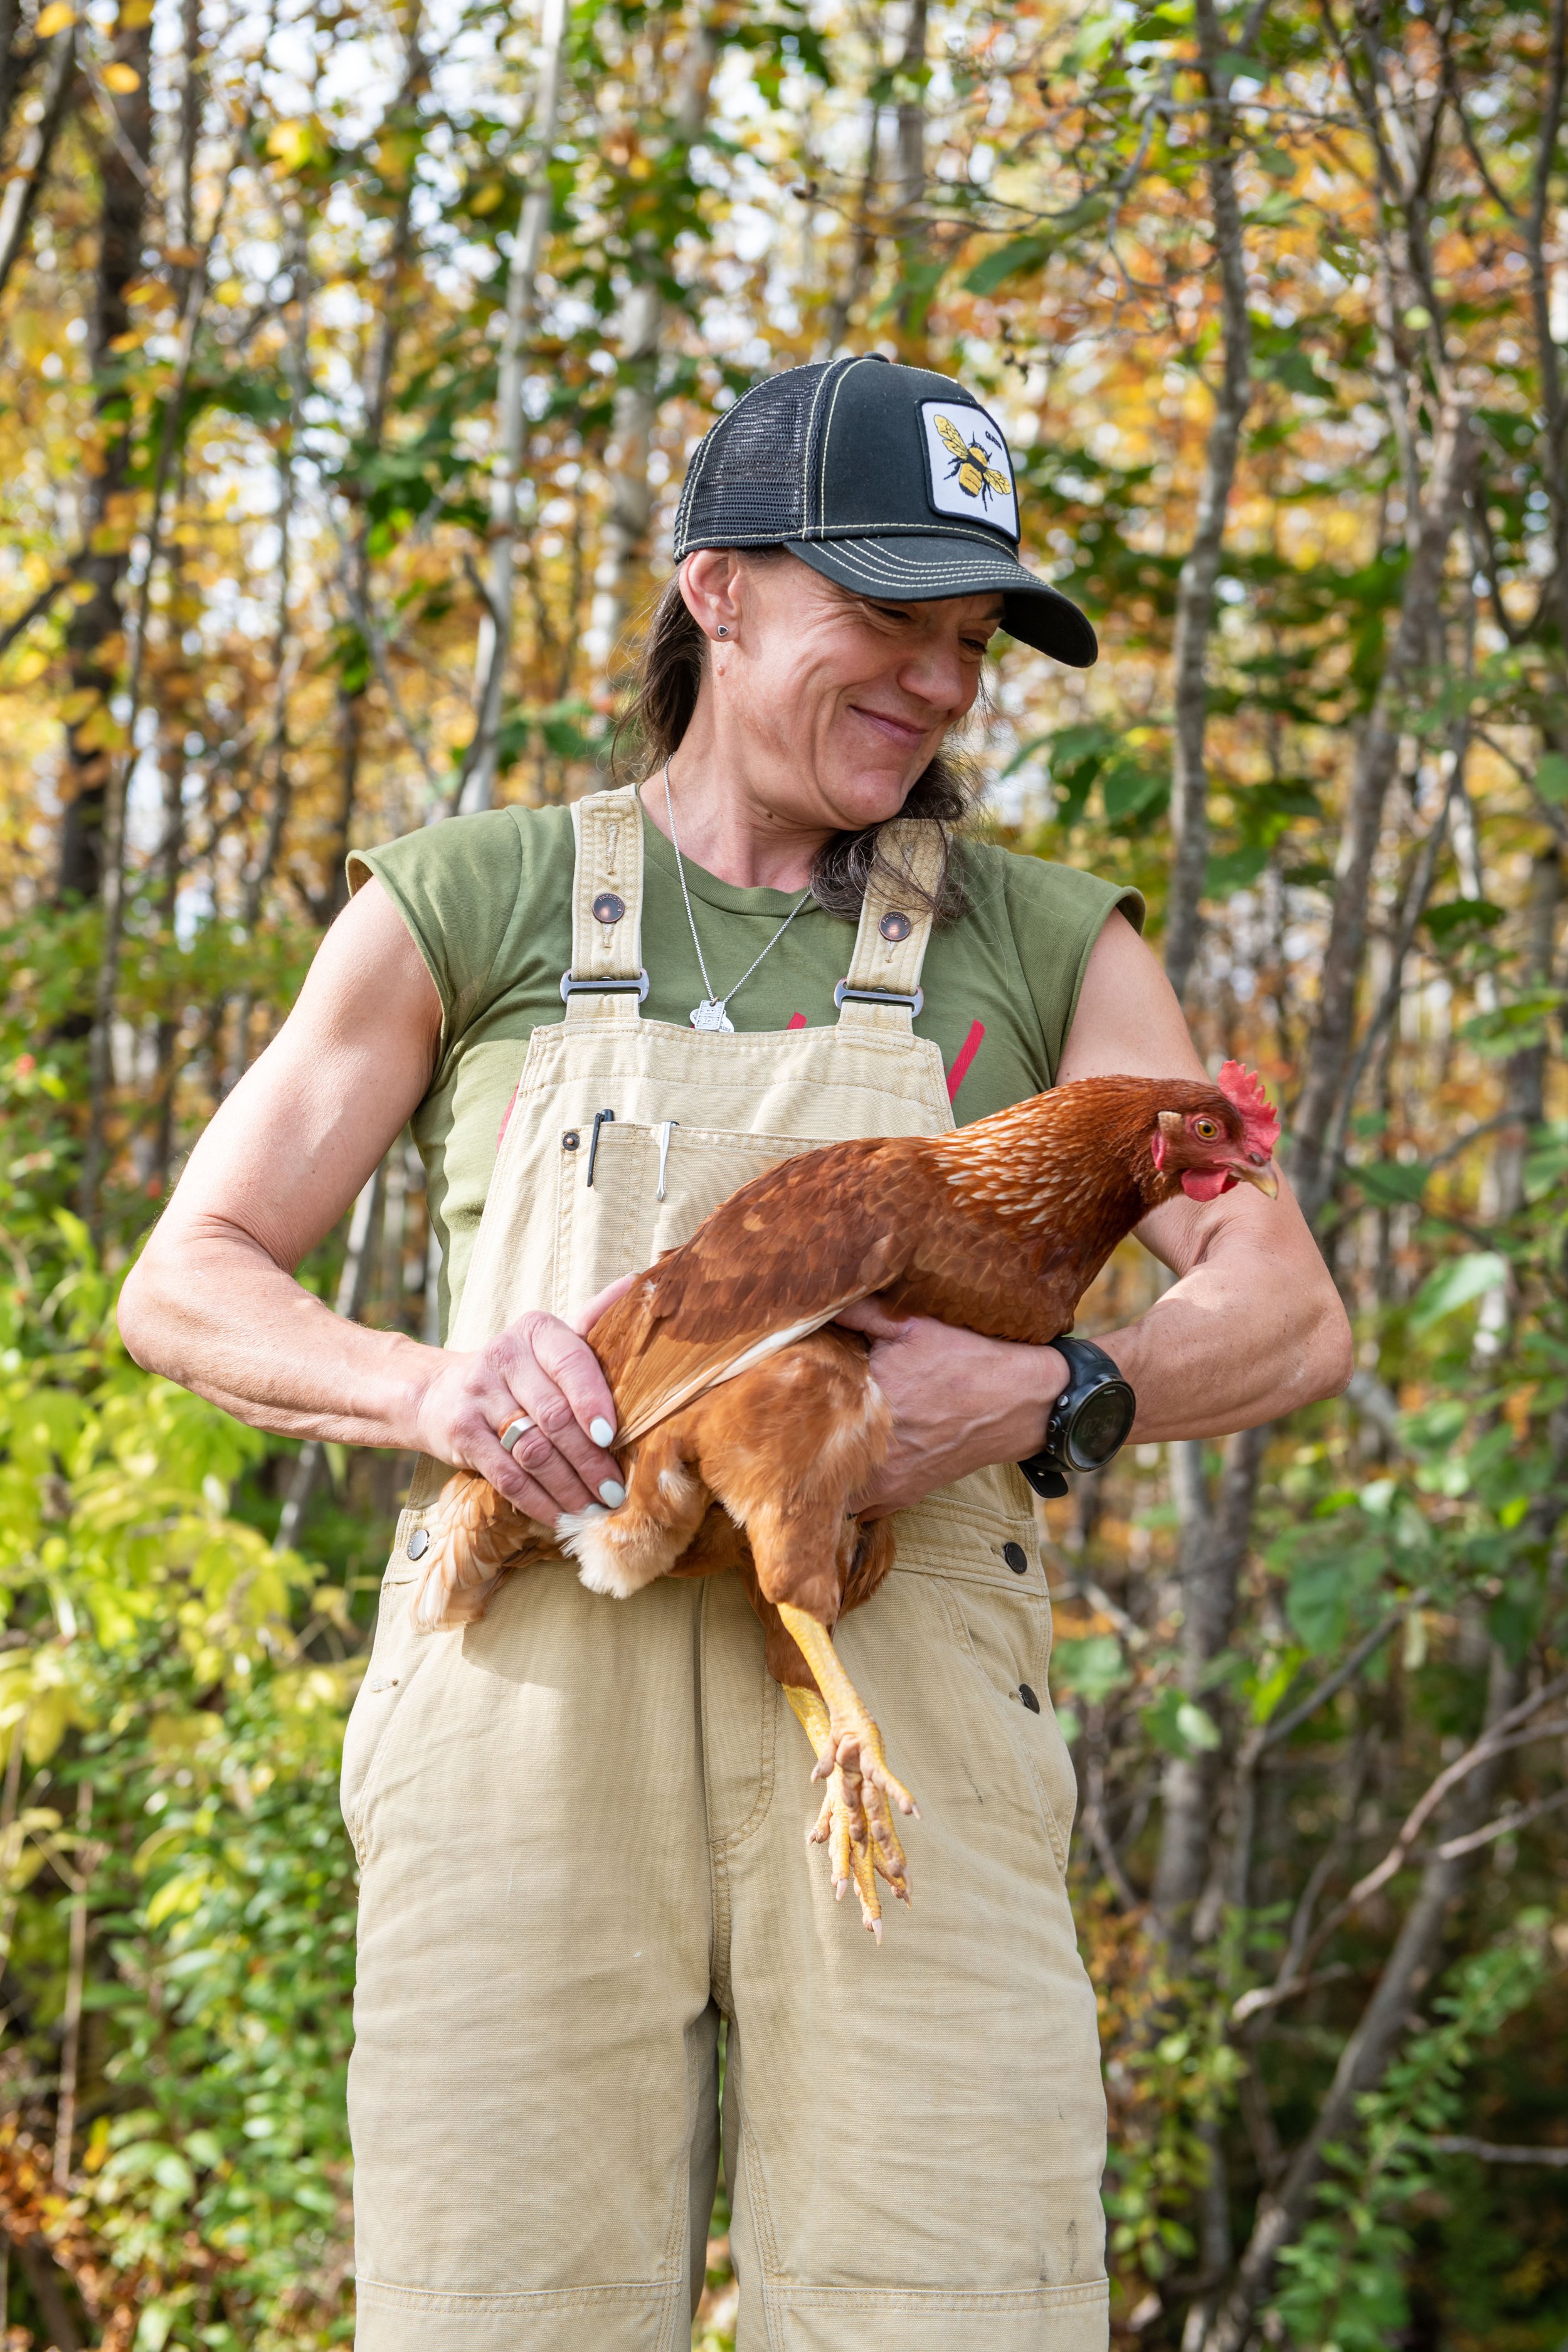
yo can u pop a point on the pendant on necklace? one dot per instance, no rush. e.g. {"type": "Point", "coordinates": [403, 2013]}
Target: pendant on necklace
{"type": "Point", "coordinates": [711, 1014]}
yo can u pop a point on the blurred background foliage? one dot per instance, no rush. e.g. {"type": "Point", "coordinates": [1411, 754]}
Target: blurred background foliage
{"type": "Point", "coordinates": [352, 356]}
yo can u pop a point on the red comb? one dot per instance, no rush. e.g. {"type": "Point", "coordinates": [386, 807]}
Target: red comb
{"type": "Point", "coordinates": [1259, 1119]}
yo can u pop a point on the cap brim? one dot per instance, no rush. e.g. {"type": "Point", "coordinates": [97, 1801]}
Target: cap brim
{"type": "Point", "coordinates": [916, 566]}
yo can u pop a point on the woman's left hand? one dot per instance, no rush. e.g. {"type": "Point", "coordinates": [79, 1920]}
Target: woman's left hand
{"type": "Point", "coordinates": [959, 1402]}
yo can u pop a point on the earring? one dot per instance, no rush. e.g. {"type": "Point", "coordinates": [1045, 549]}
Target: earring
{"type": "Point", "coordinates": [723, 632]}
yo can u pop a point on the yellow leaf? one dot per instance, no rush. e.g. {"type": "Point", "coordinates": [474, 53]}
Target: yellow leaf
{"type": "Point", "coordinates": [121, 79]}
{"type": "Point", "coordinates": [54, 19]}
{"type": "Point", "coordinates": [133, 13]}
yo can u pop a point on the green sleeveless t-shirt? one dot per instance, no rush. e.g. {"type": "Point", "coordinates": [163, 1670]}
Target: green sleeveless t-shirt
{"type": "Point", "coordinates": [489, 902]}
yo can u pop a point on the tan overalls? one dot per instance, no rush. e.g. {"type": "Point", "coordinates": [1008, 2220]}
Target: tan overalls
{"type": "Point", "coordinates": [582, 1824]}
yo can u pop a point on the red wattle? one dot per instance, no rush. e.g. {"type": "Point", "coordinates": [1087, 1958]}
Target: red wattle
{"type": "Point", "coordinates": [1206, 1183]}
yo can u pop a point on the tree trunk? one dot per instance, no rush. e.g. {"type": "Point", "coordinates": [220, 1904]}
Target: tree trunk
{"type": "Point", "coordinates": [1214, 1545]}
{"type": "Point", "coordinates": [1376, 763]}
{"type": "Point", "coordinates": [477, 788]}
{"type": "Point", "coordinates": [624, 544]}
{"type": "Point", "coordinates": [330, 900]}
{"type": "Point", "coordinates": [21, 197]}
{"type": "Point", "coordinates": [1524, 1091]}
{"type": "Point", "coordinates": [863, 239]}
{"type": "Point", "coordinates": [1554, 417]}
{"type": "Point", "coordinates": [1200, 572]}
{"type": "Point", "coordinates": [913, 298]}
{"type": "Point", "coordinates": [95, 636]}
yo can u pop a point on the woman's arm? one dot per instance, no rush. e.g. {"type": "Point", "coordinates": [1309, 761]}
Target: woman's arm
{"type": "Point", "coordinates": [1252, 1327]}
{"type": "Point", "coordinates": [213, 1304]}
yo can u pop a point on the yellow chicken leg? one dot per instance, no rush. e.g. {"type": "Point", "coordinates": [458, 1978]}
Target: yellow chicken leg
{"type": "Point", "coordinates": [849, 1752]}
{"type": "Point", "coordinates": [841, 1824]}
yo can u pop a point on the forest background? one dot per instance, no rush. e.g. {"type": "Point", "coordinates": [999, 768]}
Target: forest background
{"type": "Point", "coordinates": [352, 356]}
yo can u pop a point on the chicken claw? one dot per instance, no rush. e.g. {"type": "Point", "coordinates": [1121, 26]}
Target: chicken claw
{"type": "Point", "coordinates": [856, 1823]}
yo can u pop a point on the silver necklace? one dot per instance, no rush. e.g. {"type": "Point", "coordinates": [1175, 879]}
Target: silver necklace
{"type": "Point", "coordinates": [712, 1013]}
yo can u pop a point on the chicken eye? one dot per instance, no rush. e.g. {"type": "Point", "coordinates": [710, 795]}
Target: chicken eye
{"type": "Point", "coordinates": [1206, 1129]}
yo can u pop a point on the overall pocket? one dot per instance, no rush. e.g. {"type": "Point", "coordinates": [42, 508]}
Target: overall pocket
{"type": "Point", "coordinates": [1007, 1635]}
{"type": "Point", "coordinates": [396, 1657]}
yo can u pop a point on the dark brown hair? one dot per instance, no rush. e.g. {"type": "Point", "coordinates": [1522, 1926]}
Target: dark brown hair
{"type": "Point", "coordinates": [663, 696]}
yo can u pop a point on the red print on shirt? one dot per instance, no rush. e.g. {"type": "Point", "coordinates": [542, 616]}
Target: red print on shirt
{"type": "Point", "coordinates": [965, 1055]}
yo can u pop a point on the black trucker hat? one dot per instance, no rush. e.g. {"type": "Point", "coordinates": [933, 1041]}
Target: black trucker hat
{"type": "Point", "coordinates": [895, 482]}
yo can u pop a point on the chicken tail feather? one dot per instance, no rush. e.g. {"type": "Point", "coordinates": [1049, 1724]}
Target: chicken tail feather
{"type": "Point", "coordinates": [478, 1539]}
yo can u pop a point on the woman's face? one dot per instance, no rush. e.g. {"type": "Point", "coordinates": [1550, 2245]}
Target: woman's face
{"type": "Point", "coordinates": [833, 703]}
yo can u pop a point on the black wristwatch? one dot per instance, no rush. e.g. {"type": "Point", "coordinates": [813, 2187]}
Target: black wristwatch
{"type": "Point", "coordinates": [1089, 1421]}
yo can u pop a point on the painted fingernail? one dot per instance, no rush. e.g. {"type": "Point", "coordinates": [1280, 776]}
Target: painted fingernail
{"type": "Point", "coordinates": [601, 1430]}
{"type": "Point", "coordinates": [613, 1493]}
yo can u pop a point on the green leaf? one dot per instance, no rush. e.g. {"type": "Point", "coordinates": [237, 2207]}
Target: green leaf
{"type": "Point", "coordinates": [1014, 259]}
{"type": "Point", "coordinates": [1179, 1725]}
{"type": "Point", "coordinates": [1235, 869]}
{"type": "Point", "coordinates": [1391, 1182]}
{"type": "Point", "coordinates": [1551, 778]}
{"type": "Point", "coordinates": [1093, 1668]}
{"type": "Point", "coordinates": [1458, 1283]}
{"type": "Point", "coordinates": [1452, 916]}
{"type": "Point", "coordinates": [1126, 788]}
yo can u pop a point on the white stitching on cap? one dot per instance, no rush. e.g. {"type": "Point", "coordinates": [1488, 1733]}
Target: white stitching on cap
{"type": "Point", "coordinates": [810, 428]}
{"type": "Point", "coordinates": [938, 568]}
{"type": "Point", "coordinates": [864, 360]}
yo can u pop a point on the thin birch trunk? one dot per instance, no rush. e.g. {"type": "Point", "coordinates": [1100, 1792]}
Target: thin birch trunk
{"type": "Point", "coordinates": [1200, 572]}
{"type": "Point", "coordinates": [333, 896]}
{"type": "Point", "coordinates": [623, 543]}
{"type": "Point", "coordinates": [101, 1043]}
{"type": "Point", "coordinates": [354, 1285]}
{"type": "Point", "coordinates": [1214, 1545]}
{"type": "Point", "coordinates": [911, 152]}
{"type": "Point", "coordinates": [478, 784]}
{"type": "Point", "coordinates": [96, 623]}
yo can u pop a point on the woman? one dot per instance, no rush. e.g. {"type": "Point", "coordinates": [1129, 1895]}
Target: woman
{"type": "Point", "coordinates": [579, 1822]}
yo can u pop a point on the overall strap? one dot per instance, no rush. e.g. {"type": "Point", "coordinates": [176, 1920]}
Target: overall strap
{"type": "Point", "coordinates": [881, 990]}
{"type": "Point", "coordinates": [606, 980]}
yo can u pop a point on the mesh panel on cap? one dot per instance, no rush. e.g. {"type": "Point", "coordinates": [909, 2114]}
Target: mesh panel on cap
{"type": "Point", "coordinates": [748, 479]}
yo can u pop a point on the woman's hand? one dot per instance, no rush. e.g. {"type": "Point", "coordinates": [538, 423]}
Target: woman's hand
{"type": "Point", "coordinates": [959, 1402]}
{"type": "Point", "coordinates": [541, 1370]}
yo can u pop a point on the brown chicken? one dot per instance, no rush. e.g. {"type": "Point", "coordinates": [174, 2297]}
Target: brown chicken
{"type": "Point", "coordinates": [747, 1426]}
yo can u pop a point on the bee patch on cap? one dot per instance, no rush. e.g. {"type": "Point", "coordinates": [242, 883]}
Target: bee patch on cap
{"type": "Point", "coordinates": [970, 470]}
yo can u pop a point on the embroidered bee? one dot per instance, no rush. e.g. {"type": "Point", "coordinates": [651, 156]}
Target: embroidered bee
{"type": "Point", "coordinates": [976, 476]}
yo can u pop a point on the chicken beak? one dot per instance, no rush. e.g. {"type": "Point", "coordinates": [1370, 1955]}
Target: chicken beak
{"type": "Point", "coordinates": [1262, 1173]}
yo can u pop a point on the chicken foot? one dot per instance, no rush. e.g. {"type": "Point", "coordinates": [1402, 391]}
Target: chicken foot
{"type": "Point", "coordinates": [856, 1823]}
{"type": "Point", "coordinates": [841, 1824]}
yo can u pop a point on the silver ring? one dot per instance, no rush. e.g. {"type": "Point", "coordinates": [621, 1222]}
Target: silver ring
{"type": "Point", "coordinates": [514, 1429]}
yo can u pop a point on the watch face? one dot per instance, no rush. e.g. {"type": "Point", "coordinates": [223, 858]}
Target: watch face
{"type": "Point", "coordinates": [1100, 1424]}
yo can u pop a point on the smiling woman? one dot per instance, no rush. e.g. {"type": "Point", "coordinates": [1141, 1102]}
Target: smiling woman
{"type": "Point", "coordinates": [580, 1821]}
{"type": "Point", "coordinates": [839, 708]}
